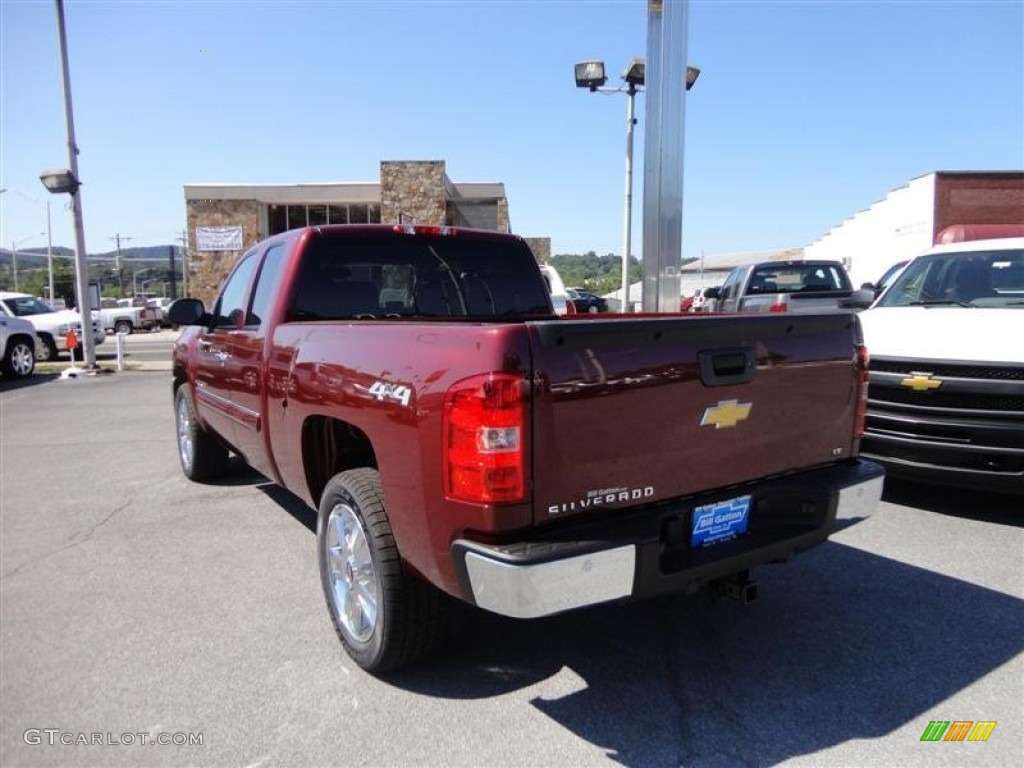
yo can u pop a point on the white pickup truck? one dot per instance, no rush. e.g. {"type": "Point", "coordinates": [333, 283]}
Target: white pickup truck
{"type": "Point", "coordinates": [127, 315]}
{"type": "Point", "coordinates": [946, 393]}
{"type": "Point", "coordinates": [51, 326]}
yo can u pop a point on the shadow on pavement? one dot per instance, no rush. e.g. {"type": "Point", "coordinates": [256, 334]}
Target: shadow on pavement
{"type": "Point", "coordinates": [957, 502]}
{"type": "Point", "coordinates": [9, 383]}
{"type": "Point", "coordinates": [843, 645]}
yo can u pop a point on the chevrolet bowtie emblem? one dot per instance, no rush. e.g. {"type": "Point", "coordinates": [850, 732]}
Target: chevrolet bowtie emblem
{"type": "Point", "coordinates": [728, 413]}
{"type": "Point", "coordinates": [921, 382]}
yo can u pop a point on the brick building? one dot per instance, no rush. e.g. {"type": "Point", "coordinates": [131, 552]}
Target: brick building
{"type": "Point", "coordinates": [415, 192]}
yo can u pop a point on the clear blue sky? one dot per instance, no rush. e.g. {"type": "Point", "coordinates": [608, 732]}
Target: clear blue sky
{"type": "Point", "coordinates": [805, 112]}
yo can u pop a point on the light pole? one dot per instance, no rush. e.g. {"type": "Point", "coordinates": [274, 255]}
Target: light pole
{"type": "Point", "coordinates": [14, 256]}
{"type": "Point", "coordinates": [62, 181]}
{"type": "Point", "coordinates": [591, 75]}
{"type": "Point", "coordinates": [49, 235]}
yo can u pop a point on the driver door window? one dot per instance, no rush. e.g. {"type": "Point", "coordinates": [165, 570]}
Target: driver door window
{"type": "Point", "coordinates": [230, 308]}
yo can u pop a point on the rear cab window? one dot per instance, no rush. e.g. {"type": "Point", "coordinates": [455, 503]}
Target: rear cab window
{"type": "Point", "coordinates": [798, 278]}
{"type": "Point", "coordinates": [367, 276]}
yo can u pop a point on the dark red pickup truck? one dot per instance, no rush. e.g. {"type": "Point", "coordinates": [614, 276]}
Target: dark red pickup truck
{"type": "Point", "coordinates": [460, 439]}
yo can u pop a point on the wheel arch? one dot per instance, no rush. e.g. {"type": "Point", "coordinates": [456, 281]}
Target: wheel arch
{"type": "Point", "coordinates": [330, 446]}
{"type": "Point", "coordinates": [14, 338]}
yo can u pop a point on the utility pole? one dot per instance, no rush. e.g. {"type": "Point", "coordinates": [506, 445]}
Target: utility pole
{"type": "Point", "coordinates": [120, 278]}
{"type": "Point", "coordinates": [173, 274]}
{"type": "Point", "coordinates": [184, 262]}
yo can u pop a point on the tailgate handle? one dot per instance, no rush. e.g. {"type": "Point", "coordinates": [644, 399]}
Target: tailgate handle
{"type": "Point", "coordinates": [719, 367]}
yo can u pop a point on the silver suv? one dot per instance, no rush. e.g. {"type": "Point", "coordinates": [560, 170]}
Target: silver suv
{"type": "Point", "coordinates": [18, 344]}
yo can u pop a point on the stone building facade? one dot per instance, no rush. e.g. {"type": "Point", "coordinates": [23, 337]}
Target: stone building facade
{"type": "Point", "coordinates": [413, 192]}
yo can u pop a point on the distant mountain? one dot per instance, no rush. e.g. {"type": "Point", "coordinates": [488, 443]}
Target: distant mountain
{"type": "Point", "coordinates": [36, 257]}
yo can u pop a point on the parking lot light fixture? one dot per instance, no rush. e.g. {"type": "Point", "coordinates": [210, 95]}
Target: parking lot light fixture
{"type": "Point", "coordinates": [692, 73]}
{"type": "Point", "coordinates": [591, 75]}
{"type": "Point", "coordinates": [60, 181]}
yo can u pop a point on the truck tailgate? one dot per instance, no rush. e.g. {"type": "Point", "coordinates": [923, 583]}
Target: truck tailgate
{"type": "Point", "coordinates": [636, 410]}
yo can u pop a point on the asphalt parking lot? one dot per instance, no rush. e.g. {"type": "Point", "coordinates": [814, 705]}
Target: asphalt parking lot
{"type": "Point", "coordinates": [135, 603]}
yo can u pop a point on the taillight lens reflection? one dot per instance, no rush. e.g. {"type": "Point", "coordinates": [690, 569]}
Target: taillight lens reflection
{"type": "Point", "coordinates": [484, 431]}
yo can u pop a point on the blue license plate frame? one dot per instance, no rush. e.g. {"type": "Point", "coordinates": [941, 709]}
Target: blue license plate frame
{"type": "Point", "coordinates": [719, 521]}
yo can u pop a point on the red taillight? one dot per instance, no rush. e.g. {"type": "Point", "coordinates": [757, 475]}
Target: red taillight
{"type": "Point", "coordinates": [412, 229]}
{"type": "Point", "coordinates": [781, 304]}
{"type": "Point", "coordinates": [484, 434]}
{"type": "Point", "coordinates": [860, 421]}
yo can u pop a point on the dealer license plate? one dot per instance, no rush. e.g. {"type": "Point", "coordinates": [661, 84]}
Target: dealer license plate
{"type": "Point", "coordinates": [721, 521]}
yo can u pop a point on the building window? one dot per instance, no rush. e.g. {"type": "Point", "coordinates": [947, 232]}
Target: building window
{"type": "Point", "coordinates": [296, 216]}
{"type": "Point", "coordinates": [358, 214]}
{"type": "Point", "coordinates": [317, 215]}
{"type": "Point", "coordinates": [281, 218]}
{"type": "Point", "coordinates": [277, 219]}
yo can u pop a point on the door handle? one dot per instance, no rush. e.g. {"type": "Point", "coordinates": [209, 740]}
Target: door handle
{"type": "Point", "coordinates": [719, 367]}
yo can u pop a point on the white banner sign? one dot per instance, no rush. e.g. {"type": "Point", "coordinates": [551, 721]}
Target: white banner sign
{"type": "Point", "coordinates": [218, 238]}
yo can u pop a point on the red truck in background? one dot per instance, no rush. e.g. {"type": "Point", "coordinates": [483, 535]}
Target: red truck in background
{"type": "Point", "coordinates": [460, 440]}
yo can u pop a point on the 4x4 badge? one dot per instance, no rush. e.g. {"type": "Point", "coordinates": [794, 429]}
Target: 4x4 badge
{"type": "Point", "coordinates": [921, 382]}
{"type": "Point", "coordinates": [727, 413]}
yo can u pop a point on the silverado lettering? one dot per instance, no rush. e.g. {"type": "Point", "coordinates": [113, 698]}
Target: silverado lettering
{"type": "Point", "coordinates": [415, 387]}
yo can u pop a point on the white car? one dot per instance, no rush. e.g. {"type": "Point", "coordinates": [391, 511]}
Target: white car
{"type": "Point", "coordinates": [18, 345]}
{"type": "Point", "coordinates": [946, 393]}
{"type": "Point", "coordinates": [559, 297]}
{"type": "Point", "coordinates": [51, 326]}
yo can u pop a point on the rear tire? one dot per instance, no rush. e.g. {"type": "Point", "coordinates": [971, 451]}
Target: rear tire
{"type": "Point", "coordinates": [20, 359]}
{"type": "Point", "coordinates": [46, 350]}
{"type": "Point", "coordinates": [385, 617]}
{"type": "Point", "coordinates": [201, 455]}
{"type": "Point", "coordinates": [123, 326]}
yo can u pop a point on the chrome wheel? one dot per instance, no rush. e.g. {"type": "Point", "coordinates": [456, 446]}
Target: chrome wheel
{"type": "Point", "coordinates": [22, 360]}
{"type": "Point", "coordinates": [186, 449]}
{"type": "Point", "coordinates": [46, 350]}
{"type": "Point", "coordinates": [353, 579]}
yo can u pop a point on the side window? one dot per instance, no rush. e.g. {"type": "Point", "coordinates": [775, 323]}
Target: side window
{"type": "Point", "coordinates": [230, 308]}
{"type": "Point", "coordinates": [267, 284]}
{"type": "Point", "coordinates": [729, 286]}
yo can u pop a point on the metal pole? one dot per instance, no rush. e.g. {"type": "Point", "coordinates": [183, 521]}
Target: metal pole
{"type": "Point", "coordinates": [14, 263]}
{"type": "Point", "coordinates": [49, 250]}
{"type": "Point", "coordinates": [81, 270]}
{"type": "Point", "coordinates": [665, 102]}
{"type": "Point", "coordinates": [627, 224]}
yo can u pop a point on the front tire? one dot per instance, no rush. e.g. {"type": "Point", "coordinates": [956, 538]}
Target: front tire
{"type": "Point", "coordinates": [201, 455]}
{"type": "Point", "coordinates": [20, 359]}
{"type": "Point", "coordinates": [385, 617]}
{"type": "Point", "coordinates": [46, 349]}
